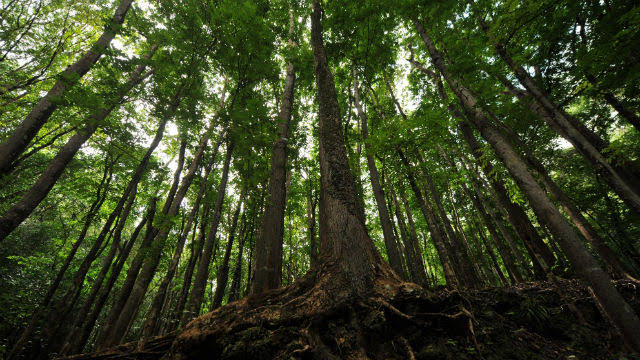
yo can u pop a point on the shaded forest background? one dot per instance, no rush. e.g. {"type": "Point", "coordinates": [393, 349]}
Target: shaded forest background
{"type": "Point", "coordinates": [161, 159]}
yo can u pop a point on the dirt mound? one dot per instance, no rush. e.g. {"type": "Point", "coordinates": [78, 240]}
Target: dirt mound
{"type": "Point", "coordinates": [537, 320]}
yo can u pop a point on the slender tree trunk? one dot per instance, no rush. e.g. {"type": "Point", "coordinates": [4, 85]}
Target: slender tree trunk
{"type": "Point", "coordinates": [540, 253]}
{"type": "Point", "coordinates": [411, 248]}
{"type": "Point", "coordinates": [312, 201]}
{"type": "Point", "coordinates": [151, 323]}
{"type": "Point", "coordinates": [196, 251]}
{"type": "Point", "coordinates": [79, 335]}
{"type": "Point", "coordinates": [387, 228]}
{"type": "Point", "coordinates": [32, 198]}
{"type": "Point", "coordinates": [437, 234]}
{"type": "Point", "coordinates": [236, 278]}
{"type": "Point", "coordinates": [152, 258]}
{"type": "Point", "coordinates": [268, 257]}
{"type": "Point", "coordinates": [20, 138]}
{"type": "Point", "coordinates": [44, 305]}
{"type": "Point", "coordinates": [586, 266]}
{"type": "Point", "coordinates": [463, 237]}
{"type": "Point", "coordinates": [496, 267]}
{"type": "Point", "coordinates": [538, 250]}
{"type": "Point", "coordinates": [509, 263]}
{"type": "Point", "coordinates": [624, 178]}
{"type": "Point", "coordinates": [223, 271]}
{"type": "Point", "coordinates": [613, 264]}
{"type": "Point", "coordinates": [96, 286]}
{"type": "Point", "coordinates": [471, 279]}
{"type": "Point", "coordinates": [202, 274]}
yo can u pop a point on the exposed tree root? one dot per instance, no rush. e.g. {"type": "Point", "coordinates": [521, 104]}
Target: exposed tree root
{"type": "Point", "coordinates": [397, 321]}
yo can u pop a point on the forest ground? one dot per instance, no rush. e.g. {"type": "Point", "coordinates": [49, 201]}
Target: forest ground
{"type": "Point", "coordinates": [535, 320]}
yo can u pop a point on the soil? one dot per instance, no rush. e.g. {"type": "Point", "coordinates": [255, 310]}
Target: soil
{"type": "Point", "coordinates": [536, 320]}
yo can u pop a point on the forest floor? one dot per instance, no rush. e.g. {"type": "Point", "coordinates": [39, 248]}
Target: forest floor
{"type": "Point", "coordinates": [536, 320]}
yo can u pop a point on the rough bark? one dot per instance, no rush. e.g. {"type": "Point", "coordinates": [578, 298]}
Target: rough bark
{"type": "Point", "coordinates": [586, 266]}
{"type": "Point", "coordinates": [347, 254]}
{"type": "Point", "coordinates": [20, 138]}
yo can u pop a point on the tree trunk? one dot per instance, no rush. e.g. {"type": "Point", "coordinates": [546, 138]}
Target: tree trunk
{"type": "Point", "coordinates": [20, 138]}
{"type": "Point", "coordinates": [411, 247]}
{"type": "Point", "coordinates": [387, 228]}
{"type": "Point", "coordinates": [223, 271]}
{"type": "Point", "coordinates": [268, 256]}
{"type": "Point", "coordinates": [236, 278]}
{"type": "Point", "coordinates": [153, 254]}
{"type": "Point", "coordinates": [437, 235]}
{"type": "Point", "coordinates": [586, 266]}
{"type": "Point", "coordinates": [538, 250]}
{"type": "Point", "coordinates": [347, 253]}
{"type": "Point", "coordinates": [466, 270]}
{"type": "Point", "coordinates": [623, 177]}
{"type": "Point", "coordinates": [32, 198]}
{"type": "Point", "coordinates": [44, 305]}
{"type": "Point", "coordinates": [202, 274]}
{"type": "Point", "coordinates": [613, 264]}
{"type": "Point", "coordinates": [79, 335]}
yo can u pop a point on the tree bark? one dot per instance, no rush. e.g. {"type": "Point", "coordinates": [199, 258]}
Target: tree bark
{"type": "Point", "coordinates": [347, 254]}
{"type": "Point", "coordinates": [387, 228]}
{"type": "Point", "coordinates": [586, 266]}
{"type": "Point", "coordinates": [45, 182]}
{"type": "Point", "coordinates": [20, 138]}
{"type": "Point", "coordinates": [200, 281]}
{"type": "Point", "coordinates": [223, 271]}
{"type": "Point", "coordinates": [268, 256]}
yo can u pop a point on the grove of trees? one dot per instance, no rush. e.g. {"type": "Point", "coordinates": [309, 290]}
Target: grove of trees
{"type": "Point", "coordinates": [303, 171]}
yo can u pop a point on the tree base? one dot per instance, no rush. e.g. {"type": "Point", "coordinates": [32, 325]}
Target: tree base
{"type": "Point", "coordinates": [537, 320]}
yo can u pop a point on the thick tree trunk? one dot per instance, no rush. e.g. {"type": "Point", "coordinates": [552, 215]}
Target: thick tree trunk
{"type": "Point", "coordinates": [387, 228]}
{"type": "Point", "coordinates": [347, 253]}
{"type": "Point", "coordinates": [586, 266]}
{"type": "Point", "coordinates": [223, 271]}
{"type": "Point", "coordinates": [20, 138]}
{"type": "Point", "coordinates": [202, 274]}
{"type": "Point", "coordinates": [32, 198]}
